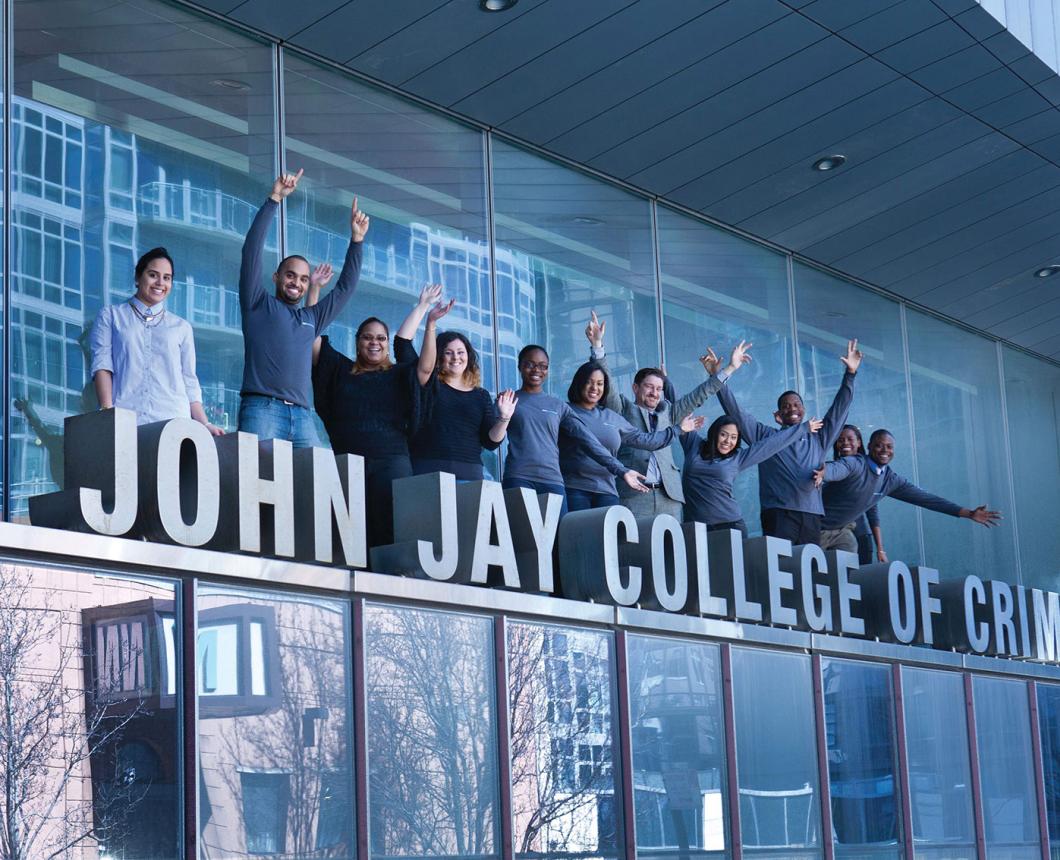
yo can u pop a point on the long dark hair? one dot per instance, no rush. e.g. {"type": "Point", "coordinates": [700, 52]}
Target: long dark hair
{"type": "Point", "coordinates": [709, 449]}
{"type": "Point", "coordinates": [857, 432]}
{"type": "Point", "coordinates": [472, 373]}
{"type": "Point", "coordinates": [581, 379]}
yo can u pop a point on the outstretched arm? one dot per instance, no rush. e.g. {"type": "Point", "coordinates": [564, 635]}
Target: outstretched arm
{"type": "Point", "coordinates": [429, 296]}
{"type": "Point", "coordinates": [654, 440]}
{"type": "Point", "coordinates": [594, 333]}
{"type": "Point", "coordinates": [569, 424]}
{"type": "Point", "coordinates": [251, 289]}
{"type": "Point", "coordinates": [317, 281]}
{"type": "Point", "coordinates": [429, 352]}
{"type": "Point", "coordinates": [766, 448]}
{"type": "Point", "coordinates": [836, 416]}
{"type": "Point", "coordinates": [907, 491]}
{"type": "Point", "coordinates": [333, 303]}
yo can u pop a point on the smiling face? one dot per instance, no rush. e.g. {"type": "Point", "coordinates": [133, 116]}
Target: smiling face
{"type": "Point", "coordinates": [154, 284]}
{"type": "Point", "coordinates": [373, 345]}
{"type": "Point", "coordinates": [728, 439]}
{"type": "Point", "coordinates": [847, 444]}
{"type": "Point", "coordinates": [649, 391]}
{"type": "Point", "coordinates": [534, 369]}
{"type": "Point", "coordinates": [291, 280]}
{"type": "Point", "coordinates": [453, 360]}
{"type": "Point", "coordinates": [791, 409]}
{"type": "Point", "coordinates": [881, 448]}
{"type": "Point", "coordinates": [593, 390]}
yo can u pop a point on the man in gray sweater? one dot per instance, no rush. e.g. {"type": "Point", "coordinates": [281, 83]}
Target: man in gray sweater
{"type": "Point", "coordinates": [649, 411]}
{"type": "Point", "coordinates": [278, 332]}
{"type": "Point", "coordinates": [857, 483]}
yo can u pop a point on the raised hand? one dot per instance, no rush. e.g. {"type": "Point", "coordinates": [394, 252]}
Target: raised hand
{"type": "Point", "coordinates": [506, 403]}
{"type": "Point", "coordinates": [740, 356]}
{"type": "Point", "coordinates": [321, 276]}
{"type": "Point", "coordinates": [984, 517]}
{"type": "Point", "coordinates": [285, 185]}
{"type": "Point", "coordinates": [594, 331]}
{"type": "Point", "coordinates": [634, 480]}
{"type": "Point", "coordinates": [818, 476]}
{"type": "Point", "coordinates": [815, 424]}
{"type": "Point", "coordinates": [359, 223]}
{"type": "Point", "coordinates": [853, 357]}
{"type": "Point", "coordinates": [429, 295]}
{"type": "Point", "coordinates": [691, 423]}
{"type": "Point", "coordinates": [439, 310]}
{"type": "Point", "coordinates": [711, 363]}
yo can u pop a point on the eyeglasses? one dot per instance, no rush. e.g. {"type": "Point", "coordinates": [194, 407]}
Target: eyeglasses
{"type": "Point", "coordinates": [535, 365]}
{"type": "Point", "coordinates": [382, 338]}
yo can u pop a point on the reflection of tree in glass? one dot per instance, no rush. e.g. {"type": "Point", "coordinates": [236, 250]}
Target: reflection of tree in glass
{"type": "Point", "coordinates": [302, 740]}
{"type": "Point", "coordinates": [431, 733]}
{"type": "Point", "coordinates": [563, 790]}
{"type": "Point", "coordinates": [51, 728]}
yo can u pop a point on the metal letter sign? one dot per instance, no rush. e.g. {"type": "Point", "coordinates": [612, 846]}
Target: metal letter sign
{"type": "Point", "coordinates": [173, 482]}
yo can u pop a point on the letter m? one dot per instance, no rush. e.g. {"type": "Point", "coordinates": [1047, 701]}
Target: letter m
{"type": "Point", "coordinates": [1046, 625]}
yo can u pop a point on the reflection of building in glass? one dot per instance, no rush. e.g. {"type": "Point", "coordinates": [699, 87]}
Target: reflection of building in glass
{"type": "Point", "coordinates": [89, 198]}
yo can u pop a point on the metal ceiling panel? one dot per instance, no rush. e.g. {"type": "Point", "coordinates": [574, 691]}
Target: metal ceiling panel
{"type": "Point", "coordinates": [731, 136]}
{"type": "Point", "coordinates": [1020, 315]}
{"type": "Point", "coordinates": [893, 24]}
{"type": "Point", "coordinates": [956, 69]}
{"type": "Point", "coordinates": [659, 61]}
{"type": "Point", "coordinates": [837, 14]}
{"type": "Point", "coordinates": [283, 17]}
{"type": "Point", "coordinates": [931, 46]}
{"type": "Point", "coordinates": [357, 26]}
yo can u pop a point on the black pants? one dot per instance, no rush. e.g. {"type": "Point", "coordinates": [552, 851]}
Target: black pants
{"type": "Point", "coordinates": [739, 525]}
{"type": "Point", "coordinates": [797, 526]}
{"type": "Point", "coordinates": [379, 475]}
{"type": "Point", "coordinates": [866, 550]}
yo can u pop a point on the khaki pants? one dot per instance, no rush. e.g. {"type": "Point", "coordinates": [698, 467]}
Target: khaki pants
{"type": "Point", "coordinates": [840, 539]}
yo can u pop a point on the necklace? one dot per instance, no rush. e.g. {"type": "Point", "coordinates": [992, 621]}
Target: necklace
{"type": "Point", "coordinates": [149, 320]}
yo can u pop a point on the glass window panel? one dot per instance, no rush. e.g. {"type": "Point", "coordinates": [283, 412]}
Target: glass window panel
{"type": "Point", "coordinates": [136, 131]}
{"type": "Point", "coordinates": [862, 770]}
{"type": "Point", "coordinates": [937, 748]}
{"type": "Point", "coordinates": [1049, 726]}
{"type": "Point", "coordinates": [678, 738]}
{"type": "Point", "coordinates": [273, 757]}
{"type": "Point", "coordinates": [89, 715]}
{"type": "Point", "coordinates": [565, 796]}
{"type": "Point", "coordinates": [829, 312]}
{"type": "Point", "coordinates": [1032, 397]}
{"type": "Point", "coordinates": [718, 289]}
{"type": "Point", "coordinates": [569, 244]}
{"type": "Point", "coordinates": [1006, 769]}
{"type": "Point", "coordinates": [957, 416]}
{"type": "Point", "coordinates": [421, 178]}
{"type": "Point", "coordinates": [432, 733]}
{"type": "Point", "coordinates": [776, 753]}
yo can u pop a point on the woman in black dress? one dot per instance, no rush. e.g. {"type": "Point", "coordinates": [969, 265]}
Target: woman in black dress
{"type": "Point", "coordinates": [371, 404]}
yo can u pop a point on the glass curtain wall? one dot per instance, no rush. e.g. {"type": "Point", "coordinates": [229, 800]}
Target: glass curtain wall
{"type": "Point", "coordinates": [116, 150]}
{"type": "Point", "coordinates": [719, 289]}
{"type": "Point", "coordinates": [1049, 728]}
{"type": "Point", "coordinates": [275, 760]}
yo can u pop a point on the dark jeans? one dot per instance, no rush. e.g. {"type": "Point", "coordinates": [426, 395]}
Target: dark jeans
{"type": "Point", "coordinates": [379, 476]}
{"type": "Point", "coordinates": [539, 487]}
{"type": "Point", "coordinates": [866, 550]}
{"type": "Point", "coordinates": [583, 500]}
{"type": "Point", "coordinates": [797, 526]}
{"type": "Point", "coordinates": [739, 525]}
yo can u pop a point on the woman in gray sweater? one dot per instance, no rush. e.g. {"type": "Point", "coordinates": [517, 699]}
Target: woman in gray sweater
{"type": "Point", "coordinates": [588, 484]}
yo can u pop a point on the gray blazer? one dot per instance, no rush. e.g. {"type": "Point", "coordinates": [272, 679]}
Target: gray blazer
{"type": "Point", "coordinates": [669, 411]}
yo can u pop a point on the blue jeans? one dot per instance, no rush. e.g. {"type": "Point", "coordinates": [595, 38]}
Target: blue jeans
{"type": "Point", "coordinates": [539, 487]}
{"type": "Point", "coordinates": [269, 418]}
{"type": "Point", "coordinates": [583, 500]}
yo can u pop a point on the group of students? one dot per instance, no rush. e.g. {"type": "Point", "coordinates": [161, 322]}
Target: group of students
{"type": "Point", "coordinates": [426, 411]}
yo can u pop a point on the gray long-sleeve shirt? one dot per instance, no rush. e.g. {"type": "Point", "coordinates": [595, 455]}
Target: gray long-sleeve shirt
{"type": "Point", "coordinates": [860, 483]}
{"type": "Point", "coordinates": [582, 472]}
{"type": "Point", "coordinates": [533, 440]}
{"type": "Point", "coordinates": [278, 338]}
{"type": "Point", "coordinates": [708, 483]}
{"type": "Point", "coordinates": [785, 480]}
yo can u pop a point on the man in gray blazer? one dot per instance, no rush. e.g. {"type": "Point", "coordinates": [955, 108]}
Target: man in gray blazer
{"type": "Point", "coordinates": [651, 410]}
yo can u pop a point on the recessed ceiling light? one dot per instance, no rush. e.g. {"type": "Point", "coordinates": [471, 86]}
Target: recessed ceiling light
{"type": "Point", "coordinates": [229, 84]}
{"type": "Point", "coordinates": [496, 5]}
{"type": "Point", "coordinates": [1047, 271]}
{"type": "Point", "coordinates": [829, 162]}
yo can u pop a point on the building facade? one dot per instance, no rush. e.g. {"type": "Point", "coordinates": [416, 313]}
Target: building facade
{"type": "Point", "coordinates": [171, 703]}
